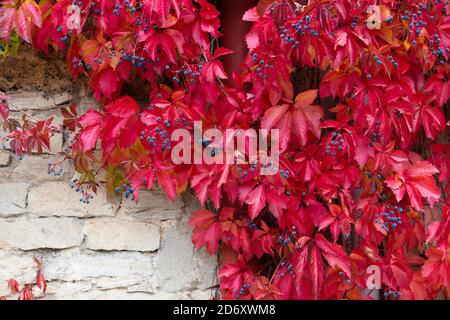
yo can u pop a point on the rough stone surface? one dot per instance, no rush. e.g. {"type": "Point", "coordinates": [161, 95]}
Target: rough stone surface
{"type": "Point", "coordinates": [153, 206]}
{"type": "Point", "coordinates": [189, 267]}
{"type": "Point", "coordinates": [35, 169]}
{"type": "Point", "coordinates": [36, 100]}
{"type": "Point", "coordinates": [108, 249]}
{"type": "Point", "coordinates": [102, 234]}
{"type": "Point", "coordinates": [121, 268]}
{"type": "Point", "coordinates": [5, 159]}
{"type": "Point", "coordinates": [151, 201]}
{"type": "Point", "coordinates": [13, 198]}
{"type": "Point", "coordinates": [52, 233]}
{"type": "Point", "coordinates": [15, 265]}
{"type": "Point", "coordinates": [59, 199]}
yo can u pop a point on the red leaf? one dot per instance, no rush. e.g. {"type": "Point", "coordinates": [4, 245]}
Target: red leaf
{"type": "Point", "coordinates": [363, 151]}
{"type": "Point", "coordinates": [300, 119]}
{"type": "Point", "coordinates": [438, 83]}
{"type": "Point", "coordinates": [148, 118]}
{"type": "Point", "coordinates": [123, 108]}
{"type": "Point", "coordinates": [13, 285]}
{"type": "Point", "coordinates": [256, 201]}
{"type": "Point", "coordinates": [222, 52]}
{"type": "Point", "coordinates": [167, 180]}
{"type": "Point", "coordinates": [26, 293]}
{"type": "Point", "coordinates": [4, 110]}
{"type": "Point", "coordinates": [21, 16]}
{"type": "Point", "coordinates": [213, 70]}
{"type": "Point", "coordinates": [316, 269]}
{"type": "Point", "coordinates": [334, 254]}
{"type": "Point", "coordinates": [300, 264]}
{"type": "Point", "coordinates": [91, 118]}
{"type": "Point", "coordinates": [89, 137]}
{"type": "Point", "coordinates": [206, 230]}
{"type": "Point", "coordinates": [7, 17]}
{"type": "Point", "coordinates": [417, 181]}
{"type": "Point", "coordinates": [106, 84]}
{"type": "Point", "coordinates": [41, 283]}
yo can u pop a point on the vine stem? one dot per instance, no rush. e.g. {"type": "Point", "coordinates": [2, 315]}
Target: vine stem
{"type": "Point", "coordinates": [276, 269]}
{"type": "Point", "coordinates": [30, 116]}
{"type": "Point", "coordinates": [439, 184]}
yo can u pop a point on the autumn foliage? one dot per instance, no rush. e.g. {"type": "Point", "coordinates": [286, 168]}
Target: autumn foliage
{"type": "Point", "coordinates": [357, 180]}
{"type": "Point", "coordinates": [29, 291]}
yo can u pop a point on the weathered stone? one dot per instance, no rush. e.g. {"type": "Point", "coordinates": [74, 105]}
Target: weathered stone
{"type": "Point", "coordinates": [5, 158]}
{"type": "Point", "coordinates": [68, 291]}
{"type": "Point", "coordinates": [56, 144]}
{"type": "Point", "coordinates": [153, 215]}
{"type": "Point", "coordinates": [103, 270]}
{"type": "Point", "coordinates": [151, 201]}
{"type": "Point", "coordinates": [52, 233]}
{"type": "Point", "coordinates": [59, 199]}
{"type": "Point", "coordinates": [62, 290]}
{"type": "Point", "coordinates": [187, 269]}
{"type": "Point", "coordinates": [13, 198]}
{"type": "Point", "coordinates": [36, 100]}
{"type": "Point", "coordinates": [185, 295]}
{"type": "Point", "coordinates": [35, 168]}
{"type": "Point", "coordinates": [105, 234]}
{"type": "Point", "coordinates": [4, 173]}
{"type": "Point", "coordinates": [15, 265]}
{"type": "Point", "coordinates": [87, 103]}
{"type": "Point", "coordinates": [86, 291]}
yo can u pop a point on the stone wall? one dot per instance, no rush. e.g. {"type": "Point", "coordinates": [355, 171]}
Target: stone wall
{"type": "Point", "coordinates": [108, 249]}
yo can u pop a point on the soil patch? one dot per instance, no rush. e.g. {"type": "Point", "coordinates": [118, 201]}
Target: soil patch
{"type": "Point", "coordinates": [32, 71]}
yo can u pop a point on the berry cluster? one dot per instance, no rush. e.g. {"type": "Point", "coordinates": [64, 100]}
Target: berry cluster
{"type": "Point", "coordinates": [262, 67]}
{"type": "Point", "coordinates": [336, 144]}
{"type": "Point", "coordinates": [345, 235]}
{"type": "Point", "coordinates": [288, 269]}
{"type": "Point", "coordinates": [136, 61]}
{"type": "Point", "coordinates": [248, 172]}
{"type": "Point", "coordinates": [158, 139]}
{"type": "Point", "coordinates": [284, 173]}
{"type": "Point", "coordinates": [127, 190]}
{"type": "Point", "coordinates": [239, 293]}
{"type": "Point", "coordinates": [391, 217]}
{"type": "Point", "coordinates": [55, 169]}
{"type": "Point", "coordinates": [78, 63]}
{"type": "Point", "coordinates": [251, 224]}
{"type": "Point", "coordinates": [391, 293]}
{"type": "Point", "coordinates": [64, 37]}
{"type": "Point", "coordinates": [186, 74]}
{"type": "Point", "coordinates": [344, 277]}
{"type": "Point", "coordinates": [375, 180]}
{"type": "Point", "coordinates": [288, 237]}
{"type": "Point", "coordinates": [86, 197]}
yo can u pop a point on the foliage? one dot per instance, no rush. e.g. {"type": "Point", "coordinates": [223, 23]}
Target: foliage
{"type": "Point", "coordinates": [10, 47]}
{"type": "Point", "coordinates": [28, 291]}
{"type": "Point", "coordinates": [352, 190]}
